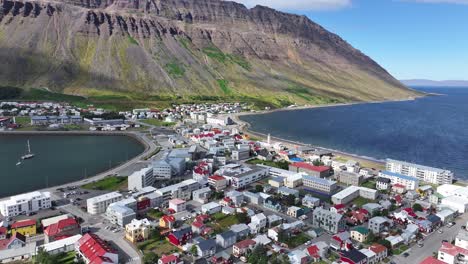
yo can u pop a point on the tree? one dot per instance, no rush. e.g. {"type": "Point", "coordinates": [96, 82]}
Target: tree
{"type": "Point", "coordinates": [156, 234]}
{"type": "Point", "coordinates": [290, 200]}
{"type": "Point", "coordinates": [258, 188]}
{"type": "Point", "coordinates": [385, 212]}
{"type": "Point", "coordinates": [318, 162]}
{"type": "Point", "coordinates": [242, 218]}
{"type": "Point", "coordinates": [258, 255]}
{"type": "Point", "coordinates": [417, 207]}
{"type": "Point", "coordinates": [385, 243]}
{"type": "Point", "coordinates": [194, 251]}
{"type": "Point", "coordinates": [150, 258]}
{"type": "Point", "coordinates": [370, 238]}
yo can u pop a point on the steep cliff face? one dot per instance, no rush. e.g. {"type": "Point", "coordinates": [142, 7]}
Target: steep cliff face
{"type": "Point", "coordinates": [183, 47]}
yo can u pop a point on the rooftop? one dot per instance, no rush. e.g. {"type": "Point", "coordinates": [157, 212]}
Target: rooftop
{"type": "Point", "coordinates": [401, 176]}
{"type": "Point", "coordinates": [307, 166]}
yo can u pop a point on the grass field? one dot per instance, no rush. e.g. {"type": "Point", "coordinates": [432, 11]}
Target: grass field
{"type": "Point", "coordinates": [157, 122]}
{"type": "Point", "coordinates": [112, 183]}
{"type": "Point", "coordinates": [159, 247]}
{"type": "Point", "coordinates": [281, 165]}
{"type": "Point", "coordinates": [360, 201]}
{"type": "Point", "coordinates": [295, 241]}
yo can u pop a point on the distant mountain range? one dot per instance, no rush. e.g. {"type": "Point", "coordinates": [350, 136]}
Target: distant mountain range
{"type": "Point", "coordinates": [447, 83]}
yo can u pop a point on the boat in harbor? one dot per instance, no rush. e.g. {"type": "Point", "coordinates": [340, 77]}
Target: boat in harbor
{"type": "Point", "coordinates": [29, 154]}
{"type": "Point", "coordinates": [18, 163]}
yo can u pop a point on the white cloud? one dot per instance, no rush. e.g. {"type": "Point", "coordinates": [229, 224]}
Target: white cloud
{"type": "Point", "coordinates": [298, 5]}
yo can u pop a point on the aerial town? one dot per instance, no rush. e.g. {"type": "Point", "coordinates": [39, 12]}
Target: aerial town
{"type": "Point", "coordinates": [212, 192]}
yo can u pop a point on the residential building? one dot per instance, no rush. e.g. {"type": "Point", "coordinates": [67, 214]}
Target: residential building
{"type": "Point", "coordinates": [360, 234]}
{"type": "Point", "coordinates": [381, 252]}
{"type": "Point", "coordinates": [138, 230]}
{"type": "Point", "coordinates": [309, 169]}
{"type": "Point", "coordinates": [242, 175]}
{"type": "Point", "coordinates": [243, 248]}
{"type": "Point", "coordinates": [329, 221]}
{"type": "Point", "coordinates": [161, 169]}
{"type": "Point", "coordinates": [206, 248]}
{"type": "Point", "coordinates": [47, 120]}
{"type": "Point", "coordinates": [241, 231]}
{"type": "Point", "coordinates": [451, 254]}
{"type": "Point", "coordinates": [378, 224]}
{"type": "Point", "coordinates": [285, 191]}
{"type": "Point", "coordinates": [461, 240]}
{"type": "Point", "coordinates": [240, 154]}
{"type": "Point", "coordinates": [372, 208]}
{"type": "Point", "coordinates": [182, 190]}
{"type": "Point", "coordinates": [383, 183]}
{"type": "Point", "coordinates": [234, 198]}
{"type": "Point", "coordinates": [410, 183]}
{"type": "Point", "coordinates": [310, 201]}
{"type": "Point", "coordinates": [167, 221]}
{"type": "Point", "coordinates": [253, 198]}
{"type": "Point", "coordinates": [293, 181]}
{"type": "Point", "coordinates": [17, 253]}
{"type": "Point", "coordinates": [217, 182]}
{"type": "Point", "coordinates": [456, 203]}
{"type": "Point", "coordinates": [24, 227]}
{"type": "Point", "coordinates": [120, 214]}
{"type": "Point", "coordinates": [62, 229]}
{"type": "Point", "coordinates": [141, 179]}
{"type": "Point", "coordinates": [202, 195]}
{"type": "Point", "coordinates": [370, 255]}
{"type": "Point", "coordinates": [211, 208]}
{"type": "Point", "coordinates": [181, 236]}
{"type": "Point", "coordinates": [318, 251]}
{"type": "Point", "coordinates": [278, 173]}
{"type": "Point", "coordinates": [295, 211]}
{"type": "Point", "coordinates": [99, 204]}
{"type": "Point", "coordinates": [297, 257]}
{"type": "Point", "coordinates": [226, 239]}
{"type": "Point", "coordinates": [93, 249]}
{"type": "Point", "coordinates": [276, 182]}
{"type": "Point", "coordinates": [446, 215]}
{"type": "Point", "coordinates": [353, 256]}
{"type": "Point", "coordinates": [432, 260]}
{"type": "Point", "coordinates": [350, 178]}
{"type": "Point", "coordinates": [25, 204]}
{"type": "Point", "coordinates": [170, 259]}
{"type": "Point", "coordinates": [315, 184]}
{"type": "Point", "coordinates": [257, 223]}
{"type": "Point", "coordinates": [64, 245]}
{"type": "Point", "coordinates": [423, 173]}
{"type": "Point", "coordinates": [352, 192]}
{"type": "Point", "coordinates": [178, 205]}
{"type": "Point", "coordinates": [272, 204]}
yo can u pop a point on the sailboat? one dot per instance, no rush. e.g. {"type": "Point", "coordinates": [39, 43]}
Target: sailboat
{"type": "Point", "coordinates": [18, 163]}
{"type": "Point", "coordinates": [28, 155]}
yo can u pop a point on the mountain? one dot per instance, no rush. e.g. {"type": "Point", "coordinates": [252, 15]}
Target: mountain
{"type": "Point", "coordinates": [447, 83]}
{"type": "Point", "coordinates": [185, 48]}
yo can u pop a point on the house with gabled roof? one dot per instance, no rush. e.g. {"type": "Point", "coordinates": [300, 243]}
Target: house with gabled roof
{"type": "Point", "coordinates": [95, 250]}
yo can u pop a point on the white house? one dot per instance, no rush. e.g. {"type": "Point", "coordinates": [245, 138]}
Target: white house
{"type": "Point", "coordinates": [257, 222]}
{"type": "Point", "coordinates": [25, 203]}
{"type": "Point", "coordinates": [141, 179]}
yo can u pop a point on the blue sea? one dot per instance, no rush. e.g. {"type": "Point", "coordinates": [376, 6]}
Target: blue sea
{"type": "Point", "coordinates": [431, 131]}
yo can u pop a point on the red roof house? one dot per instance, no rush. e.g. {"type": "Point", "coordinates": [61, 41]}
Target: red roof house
{"type": "Point", "coordinates": [170, 259]}
{"type": "Point", "coordinates": [431, 260]}
{"type": "Point", "coordinates": [96, 251]}
{"type": "Point", "coordinates": [317, 171]}
{"type": "Point", "coordinates": [62, 229]}
{"type": "Point", "coordinates": [23, 223]}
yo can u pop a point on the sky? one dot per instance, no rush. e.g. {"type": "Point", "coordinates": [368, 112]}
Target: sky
{"type": "Point", "coordinates": [412, 39]}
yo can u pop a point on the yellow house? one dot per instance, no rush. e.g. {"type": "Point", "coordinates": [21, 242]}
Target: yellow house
{"type": "Point", "coordinates": [138, 230]}
{"type": "Point", "coordinates": [24, 227]}
{"type": "Point", "coordinates": [360, 234]}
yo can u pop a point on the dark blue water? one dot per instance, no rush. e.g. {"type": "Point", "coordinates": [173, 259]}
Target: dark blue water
{"type": "Point", "coordinates": [431, 131]}
{"type": "Point", "coordinates": [59, 159]}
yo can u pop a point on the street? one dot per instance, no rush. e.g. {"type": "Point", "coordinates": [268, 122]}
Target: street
{"type": "Point", "coordinates": [432, 243]}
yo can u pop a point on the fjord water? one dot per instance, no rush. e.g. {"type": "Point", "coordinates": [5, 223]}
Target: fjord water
{"type": "Point", "coordinates": [432, 130]}
{"type": "Point", "coordinates": [59, 159]}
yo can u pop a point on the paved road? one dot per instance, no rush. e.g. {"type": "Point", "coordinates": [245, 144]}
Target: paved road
{"type": "Point", "coordinates": [432, 243]}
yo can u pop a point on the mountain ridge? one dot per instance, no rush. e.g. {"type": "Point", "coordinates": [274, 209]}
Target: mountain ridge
{"type": "Point", "coordinates": [184, 47]}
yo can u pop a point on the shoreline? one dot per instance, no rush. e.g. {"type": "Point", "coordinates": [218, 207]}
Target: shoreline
{"type": "Point", "coordinates": [291, 144]}
{"type": "Point", "coordinates": [142, 139]}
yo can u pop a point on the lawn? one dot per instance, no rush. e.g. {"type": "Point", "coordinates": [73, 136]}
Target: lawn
{"type": "Point", "coordinates": [159, 247]}
{"type": "Point", "coordinates": [360, 201]}
{"type": "Point", "coordinates": [295, 241]}
{"type": "Point", "coordinates": [68, 258]}
{"type": "Point", "coordinates": [400, 250]}
{"type": "Point", "coordinates": [157, 122]}
{"type": "Point", "coordinates": [369, 184]}
{"type": "Point", "coordinates": [222, 222]}
{"type": "Point", "coordinates": [281, 164]}
{"type": "Point", "coordinates": [155, 214]}
{"type": "Point", "coordinates": [110, 183]}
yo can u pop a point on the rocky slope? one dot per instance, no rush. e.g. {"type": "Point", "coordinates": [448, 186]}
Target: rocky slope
{"type": "Point", "coordinates": [185, 48]}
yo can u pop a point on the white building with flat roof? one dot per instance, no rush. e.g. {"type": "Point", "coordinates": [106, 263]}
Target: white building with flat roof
{"type": "Point", "coordinates": [423, 173]}
{"type": "Point", "coordinates": [162, 169]}
{"type": "Point", "coordinates": [99, 204]}
{"type": "Point", "coordinates": [353, 192]}
{"type": "Point", "coordinates": [182, 190]}
{"type": "Point", "coordinates": [242, 175]}
{"type": "Point", "coordinates": [410, 182]}
{"type": "Point", "coordinates": [25, 203]}
{"type": "Point", "coordinates": [141, 179]}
